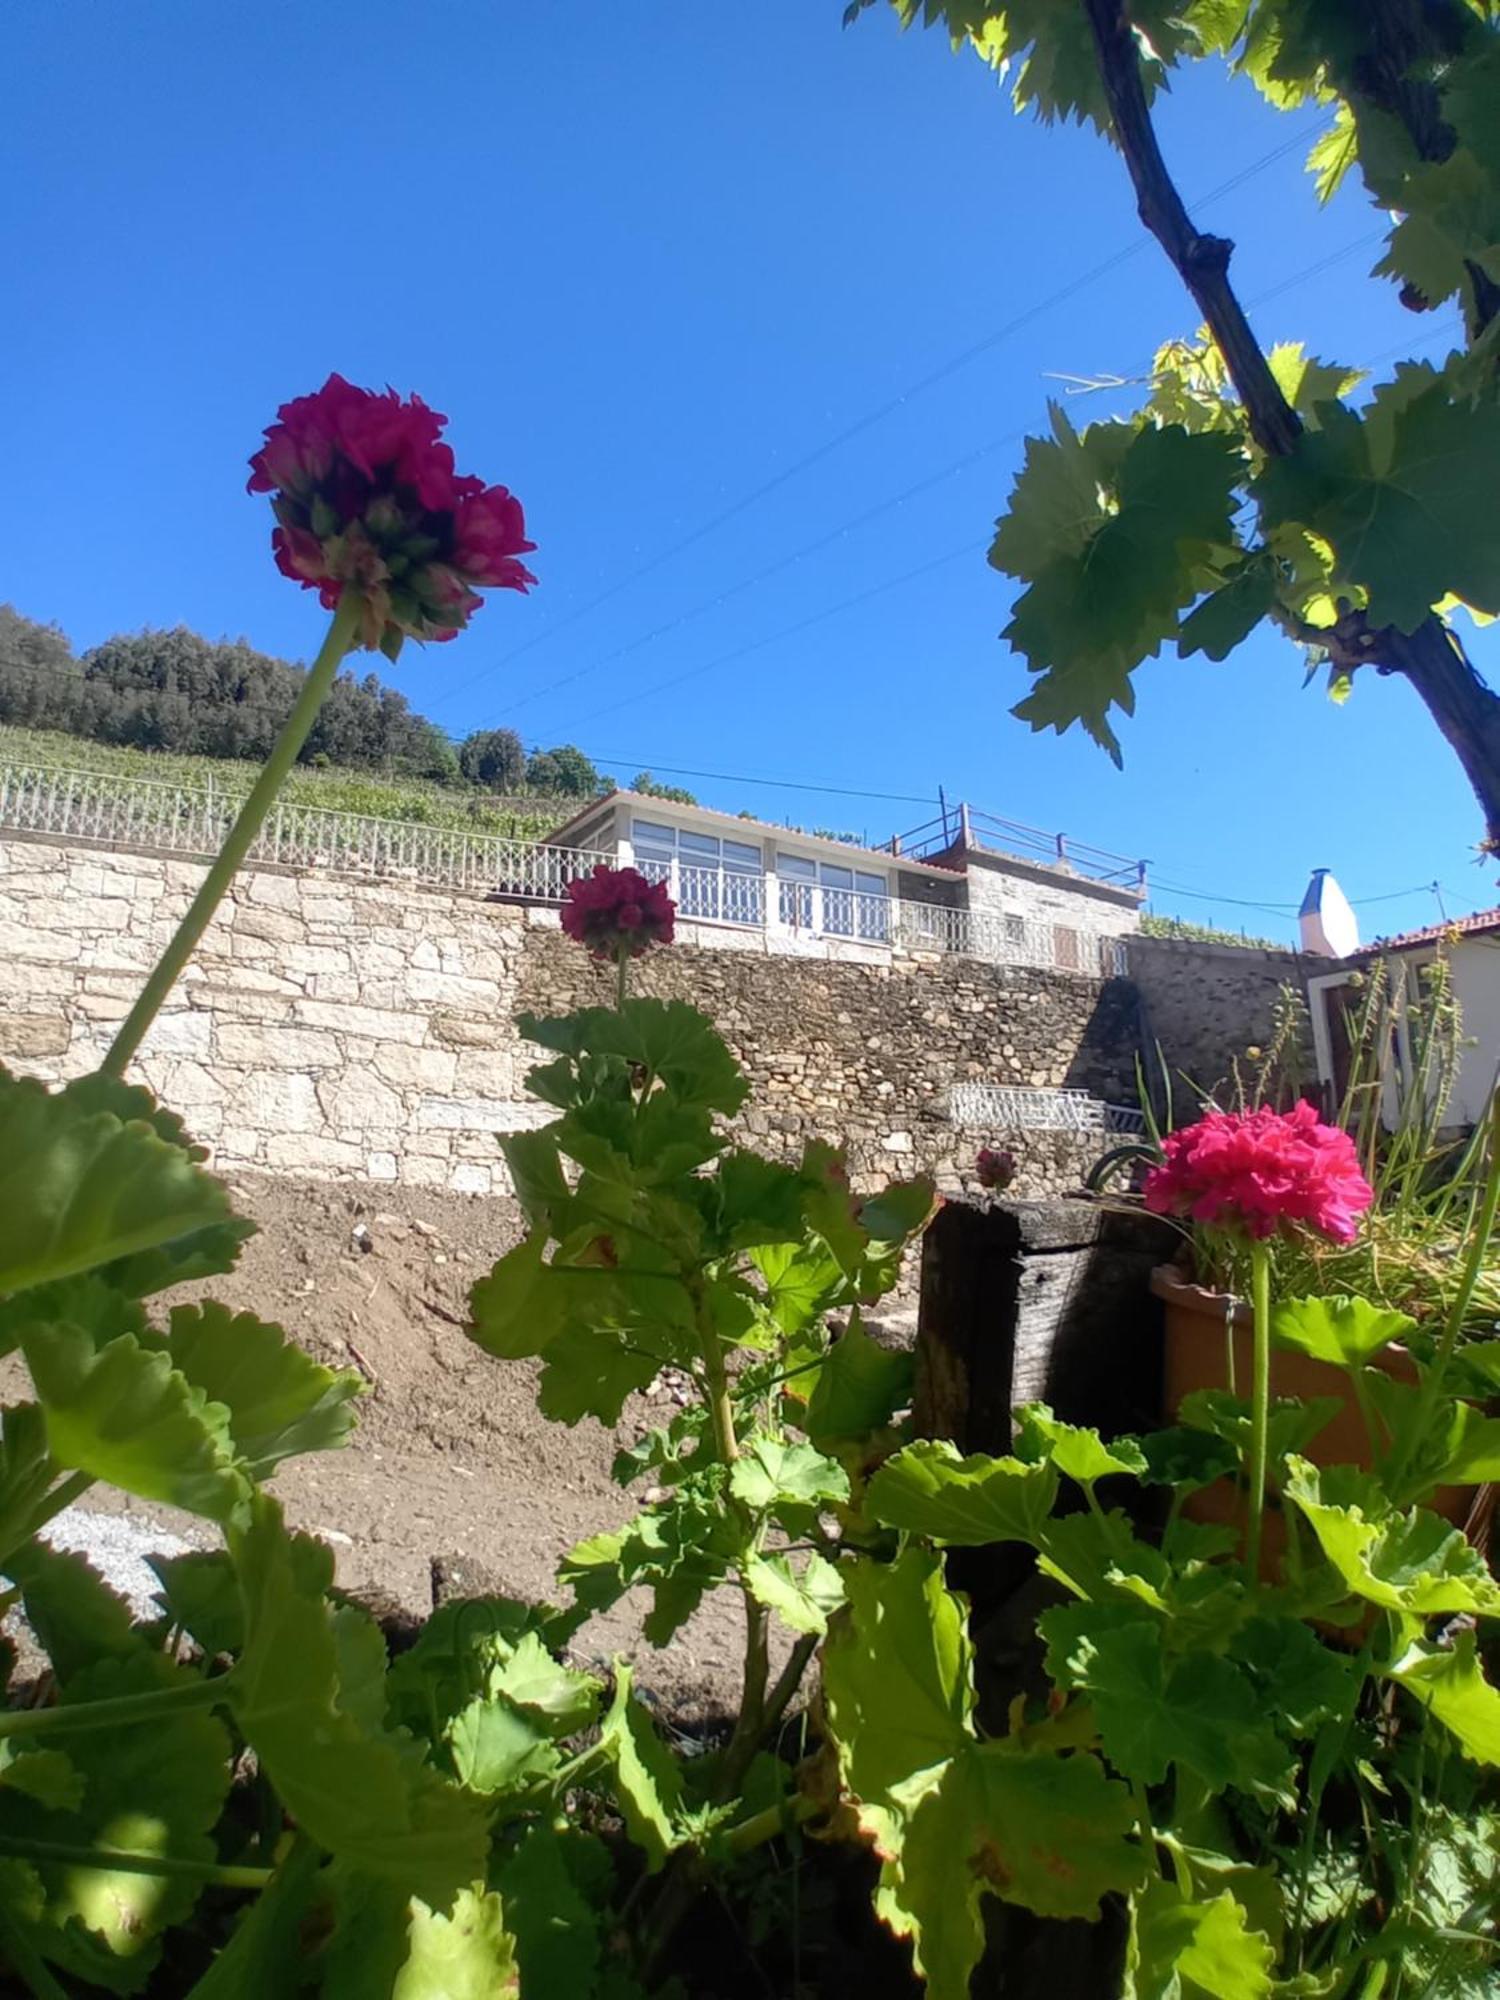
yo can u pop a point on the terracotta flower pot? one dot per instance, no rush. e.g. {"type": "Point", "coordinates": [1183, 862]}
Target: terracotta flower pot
{"type": "Point", "coordinates": [1200, 1325]}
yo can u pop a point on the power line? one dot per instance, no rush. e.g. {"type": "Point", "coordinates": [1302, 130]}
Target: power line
{"type": "Point", "coordinates": [886, 409]}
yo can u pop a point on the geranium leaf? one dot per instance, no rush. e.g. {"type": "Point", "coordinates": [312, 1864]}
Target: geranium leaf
{"type": "Point", "coordinates": [1048, 1832]}
{"type": "Point", "coordinates": [858, 1388]}
{"type": "Point", "coordinates": [897, 1676]}
{"type": "Point", "coordinates": [1191, 1459]}
{"type": "Point", "coordinates": [560, 1698]}
{"type": "Point", "coordinates": [1343, 1331]}
{"type": "Point", "coordinates": [75, 1615]}
{"type": "Point", "coordinates": [360, 1795]}
{"type": "Point", "coordinates": [1077, 1453]}
{"type": "Point", "coordinates": [268, 1952]}
{"type": "Point", "coordinates": [769, 1470]}
{"type": "Point", "coordinates": [555, 1925]}
{"type": "Point", "coordinates": [802, 1281]}
{"type": "Point", "coordinates": [1302, 1681]}
{"type": "Point", "coordinates": [645, 1777]}
{"type": "Point", "coordinates": [26, 1471]}
{"type": "Point", "coordinates": [81, 1190]}
{"type": "Point", "coordinates": [1291, 1424]}
{"type": "Point", "coordinates": [458, 1648]}
{"type": "Point", "coordinates": [930, 1489]}
{"type": "Point", "coordinates": [668, 1038]}
{"type": "Point", "coordinates": [465, 1953]}
{"type": "Point", "coordinates": [124, 1413]}
{"type": "Point", "coordinates": [1413, 1562]}
{"type": "Point", "coordinates": [803, 1601]}
{"type": "Point", "coordinates": [753, 1201]}
{"type": "Point", "coordinates": [281, 1402]}
{"type": "Point", "coordinates": [497, 1748]}
{"type": "Point", "coordinates": [201, 1590]}
{"type": "Point", "coordinates": [1450, 1682]}
{"type": "Point", "coordinates": [50, 1777]}
{"type": "Point", "coordinates": [1184, 1950]}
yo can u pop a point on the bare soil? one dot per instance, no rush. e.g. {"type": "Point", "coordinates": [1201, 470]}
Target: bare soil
{"type": "Point", "coordinates": [451, 1464]}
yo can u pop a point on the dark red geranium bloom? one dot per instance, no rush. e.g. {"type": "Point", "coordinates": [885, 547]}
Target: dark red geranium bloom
{"type": "Point", "coordinates": [993, 1168]}
{"type": "Point", "coordinates": [616, 911]}
{"type": "Point", "coordinates": [365, 492]}
{"type": "Point", "coordinates": [1259, 1171]}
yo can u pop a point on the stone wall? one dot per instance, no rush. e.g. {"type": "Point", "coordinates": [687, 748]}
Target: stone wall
{"type": "Point", "coordinates": [364, 1031]}
{"type": "Point", "coordinates": [1207, 1004]}
{"type": "Point", "coordinates": [1042, 895]}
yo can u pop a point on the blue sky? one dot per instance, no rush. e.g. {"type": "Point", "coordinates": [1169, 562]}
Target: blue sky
{"type": "Point", "coordinates": [660, 266]}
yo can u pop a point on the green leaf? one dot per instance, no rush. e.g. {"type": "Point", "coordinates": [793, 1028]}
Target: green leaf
{"type": "Point", "coordinates": [466, 1954]}
{"type": "Point", "coordinates": [1343, 1331]}
{"type": "Point", "coordinates": [1191, 1459]}
{"type": "Point", "coordinates": [1227, 617]}
{"type": "Point", "coordinates": [155, 1788]}
{"type": "Point", "coordinates": [646, 1144]}
{"type": "Point", "coordinates": [1048, 1832]}
{"type": "Point", "coordinates": [1162, 511]}
{"type": "Point", "coordinates": [929, 1489]}
{"type": "Point", "coordinates": [1078, 1454]}
{"type": "Point", "coordinates": [1302, 1681]}
{"type": "Point", "coordinates": [536, 1173]}
{"type": "Point", "coordinates": [1412, 1562]}
{"type": "Point", "coordinates": [804, 1601]}
{"type": "Point", "coordinates": [280, 1401]}
{"type": "Point", "coordinates": [768, 1471]}
{"type": "Point", "coordinates": [268, 1952]}
{"type": "Point", "coordinates": [26, 1471]}
{"type": "Point", "coordinates": [1450, 1681]}
{"type": "Point", "coordinates": [123, 1413]}
{"type": "Point", "coordinates": [460, 1647]}
{"type": "Point", "coordinates": [50, 1777]}
{"type": "Point", "coordinates": [859, 1387]}
{"type": "Point", "coordinates": [673, 1041]}
{"type": "Point", "coordinates": [80, 1190]}
{"type": "Point", "coordinates": [1305, 382]}
{"type": "Point", "coordinates": [645, 1777]}
{"type": "Point", "coordinates": [496, 1748]}
{"type": "Point", "coordinates": [1333, 153]}
{"type": "Point", "coordinates": [1182, 1950]}
{"type": "Point", "coordinates": [201, 1590]}
{"type": "Point", "coordinates": [1399, 492]}
{"type": "Point", "coordinates": [560, 1698]}
{"type": "Point", "coordinates": [360, 1795]}
{"type": "Point", "coordinates": [890, 1220]}
{"type": "Point", "coordinates": [802, 1281]}
{"type": "Point", "coordinates": [897, 1677]}
{"type": "Point", "coordinates": [1291, 1423]}
{"type": "Point", "coordinates": [555, 1925]}
{"type": "Point", "coordinates": [1199, 1711]}
{"type": "Point", "coordinates": [77, 1618]}
{"type": "Point", "coordinates": [754, 1201]}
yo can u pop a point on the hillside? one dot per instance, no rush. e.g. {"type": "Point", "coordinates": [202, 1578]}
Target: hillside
{"type": "Point", "coordinates": [418, 800]}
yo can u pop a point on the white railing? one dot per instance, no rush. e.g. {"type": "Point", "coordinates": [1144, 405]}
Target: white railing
{"type": "Point", "coordinates": [179, 819]}
{"type": "Point", "coordinates": [1009, 1108]}
{"type": "Point", "coordinates": [1007, 940]}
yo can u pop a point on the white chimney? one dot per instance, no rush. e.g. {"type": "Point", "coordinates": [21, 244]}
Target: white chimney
{"type": "Point", "coordinates": [1329, 927]}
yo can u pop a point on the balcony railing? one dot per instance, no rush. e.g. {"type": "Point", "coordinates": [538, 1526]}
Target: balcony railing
{"type": "Point", "coordinates": [180, 819]}
{"type": "Point", "coordinates": [1003, 1107]}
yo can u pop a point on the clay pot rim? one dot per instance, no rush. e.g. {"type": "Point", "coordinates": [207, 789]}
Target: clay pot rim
{"type": "Point", "coordinates": [1168, 1284]}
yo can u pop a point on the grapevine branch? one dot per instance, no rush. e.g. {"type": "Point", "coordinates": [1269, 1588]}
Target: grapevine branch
{"type": "Point", "coordinates": [1431, 658]}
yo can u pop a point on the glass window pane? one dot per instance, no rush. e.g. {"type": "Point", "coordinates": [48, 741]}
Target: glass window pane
{"type": "Point", "coordinates": [837, 878]}
{"type": "Point", "coordinates": [797, 867]}
{"type": "Point", "coordinates": [702, 844]}
{"type": "Point", "coordinates": [870, 885]}
{"type": "Point", "coordinates": [657, 836]}
{"type": "Point", "coordinates": [738, 854]}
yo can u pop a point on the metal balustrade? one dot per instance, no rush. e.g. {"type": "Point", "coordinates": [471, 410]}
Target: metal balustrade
{"type": "Point", "coordinates": [1009, 1108]}
{"type": "Point", "coordinates": [181, 819]}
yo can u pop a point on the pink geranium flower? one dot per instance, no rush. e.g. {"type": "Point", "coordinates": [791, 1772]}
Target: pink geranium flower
{"type": "Point", "coordinates": [1260, 1172]}
{"type": "Point", "coordinates": [616, 912]}
{"type": "Point", "coordinates": [365, 493]}
{"type": "Point", "coordinates": [994, 1168]}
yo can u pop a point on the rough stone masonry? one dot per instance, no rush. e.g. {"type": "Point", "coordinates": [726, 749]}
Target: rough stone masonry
{"type": "Point", "coordinates": [365, 1031]}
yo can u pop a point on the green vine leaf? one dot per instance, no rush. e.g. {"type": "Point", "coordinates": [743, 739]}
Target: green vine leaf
{"type": "Point", "coordinates": [1227, 617]}
{"type": "Point", "coordinates": [1450, 1682]}
{"type": "Point", "coordinates": [929, 1489]}
{"type": "Point", "coordinates": [1185, 1950]}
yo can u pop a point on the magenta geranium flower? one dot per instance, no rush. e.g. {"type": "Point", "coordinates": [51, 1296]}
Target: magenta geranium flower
{"type": "Point", "coordinates": [617, 913]}
{"type": "Point", "coordinates": [1262, 1171]}
{"type": "Point", "coordinates": [994, 1168]}
{"type": "Point", "coordinates": [365, 493]}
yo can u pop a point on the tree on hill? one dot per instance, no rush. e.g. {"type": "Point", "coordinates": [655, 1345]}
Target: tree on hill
{"type": "Point", "coordinates": [650, 788]}
{"type": "Point", "coordinates": [1254, 485]}
{"type": "Point", "coordinates": [493, 758]}
{"type": "Point", "coordinates": [563, 773]}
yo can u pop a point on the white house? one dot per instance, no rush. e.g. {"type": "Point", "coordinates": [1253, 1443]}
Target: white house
{"type": "Point", "coordinates": [1472, 946]}
{"type": "Point", "coordinates": [955, 885]}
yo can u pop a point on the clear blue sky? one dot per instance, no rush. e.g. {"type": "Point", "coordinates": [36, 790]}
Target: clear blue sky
{"type": "Point", "coordinates": [649, 260]}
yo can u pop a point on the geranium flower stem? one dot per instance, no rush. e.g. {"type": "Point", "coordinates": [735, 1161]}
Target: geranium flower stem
{"type": "Point", "coordinates": [1260, 1398]}
{"type": "Point", "coordinates": [241, 836]}
{"type": "Point", "coordinates": [622, 975]}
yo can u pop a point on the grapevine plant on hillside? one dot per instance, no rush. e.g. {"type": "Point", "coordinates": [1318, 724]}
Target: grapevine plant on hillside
{"type": "Point", "coordinates": [1253, 485]}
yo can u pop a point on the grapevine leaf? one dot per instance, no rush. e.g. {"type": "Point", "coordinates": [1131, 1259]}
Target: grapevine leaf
{"type": "Point", "coordinates": [465, 1954]}
{"type": "Point", "coordinates": [1412, 1562]}
{"type": "Point", "coordinates": [360, 1795]}
{"type": "Point", "coordinates": [280, 1401]}
{"type": "Point", "coordinates": [858, 1388]}
{"type": "Point", "coordinates": [929, 1489]}
{"type": "Point", "coordinates": [1227, 617]}
{"type": "Point", "coordinates": [80, 1189]}
{"type": "Point", "coordinates": [1199, 1711]}
{"type": "Point", "coordinates": [122, 1412]}
{"type": "Point", "coordinates": [1450, 1681]}
{"type": "Point", "coordinates": [1333, 153]}
{"type": "Point", "coordinates": [1306, 382]}
{"type": "Point", "coordinates": [1343, 1331]}
{"type": "Point", "coordinates": [645, 1777]}
{"type": "Point", "coordinates": [1078, 1453]}
{"type": "Point", "coordinates": [1182, 1950]}
{"type": "Point", "coordinates": [1048, 1832]}
{"type": "Point", "coordinates": [897, 1677]}
{"type": "Point", "coordinates": [1399, 492]}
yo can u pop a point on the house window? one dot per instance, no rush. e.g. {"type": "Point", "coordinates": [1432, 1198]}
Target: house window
{"type": "Point", "coordinates": [718, 881]}
{"type": "Point", "coordinates": [838, 901]}
{"type": "Point", "coordinates": [1015, 927]}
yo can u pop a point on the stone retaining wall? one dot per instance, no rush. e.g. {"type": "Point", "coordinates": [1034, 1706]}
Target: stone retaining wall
{"type": "Point", "coordinates": [364, 1031]}
{"type": "Point", "coordinates": [1208, 1004]}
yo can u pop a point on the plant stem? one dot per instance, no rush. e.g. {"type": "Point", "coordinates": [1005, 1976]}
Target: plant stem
{"type": "Point", "coordinates": [119, 1711]}
{"type": "Point", "coordinates": [241, 836]}
{"type": "Point", "coordinates": [1260, 1400]}
{"type": "Point", "coordinates": [136, 1864]}
{"type": "Point", "coordinates": [28, 1962]}
{"type": "Point", "coordinates": [768, 1825]}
